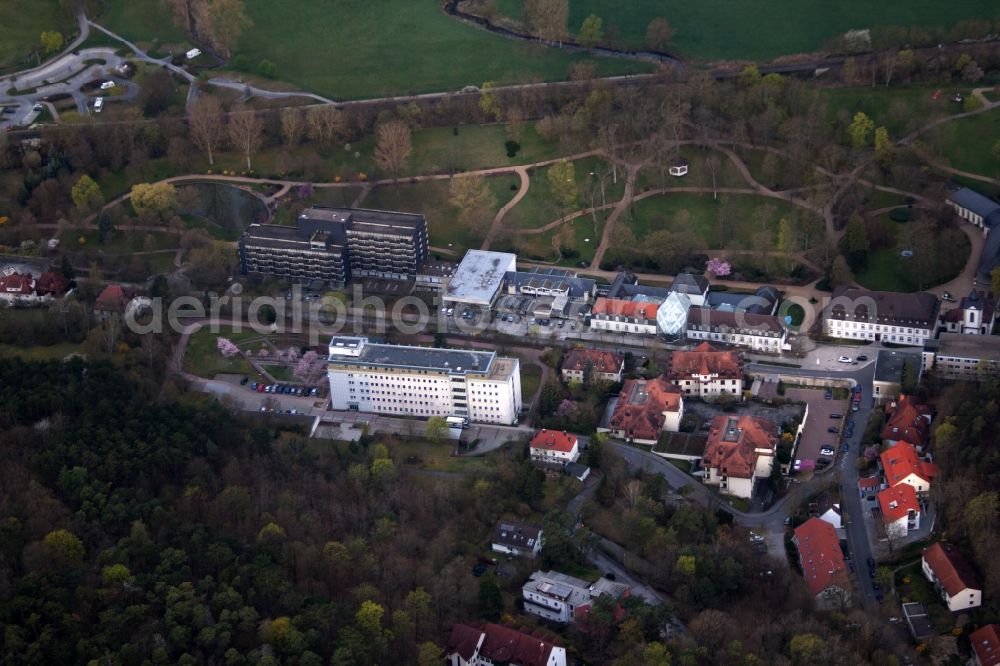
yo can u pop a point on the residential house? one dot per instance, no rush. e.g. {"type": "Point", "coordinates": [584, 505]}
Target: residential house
{"type": "Point", "coordinates": [553, 446]}
{"type": "Point", "coordinates": [739, 453]}
{"type": "Point", "coordinates": [707, 371]}
{"type": "Point", "coordinates": [520, 539]}
{"type": "Point", "coordinates": [561, 598]}
{"type": "Point", "coordinates": [982, 212]}
{"type": "Point", "coordinates": [975, 315]}
{"type": "Point", "coordinates": [759, 332]}
{"type": "Point", "coordinates": [908, 421]}
{"type": "Point", "coordinates": [956, 356]}
{"type": "Point", "coordinates": [901, 464]}
{"type": "Point", "coordinates": [644, 409]}
{"type": "Point", "coordinates": [886, 316]}
{"type": "Point", "coordinates": [603, 365]}
{"type": "Point", "coordinates": [496, 644]}
{"type": "Point", "coordinates": [952, 575]}
{"type": "Point", "coordinates": [619, 316]}
{"type": "Point", "coordinates": [51, 284]}
{"type": "Point", "coordinates": [695, 287]}
{"type": "Point", "coordinates": [823, 565]}
{"type": "Point", "coordinates": [17, 288]}
{"type": "Point", "coordinates": [985, 643]}
{"type": "Point", "coordinates": [113, 302]}
{"type": "Point", "coordinates": [626, 287]}
{"type": "Point", "coordinates": [900, 510]}
{"type": "Point", "coordinates": [867, 485]}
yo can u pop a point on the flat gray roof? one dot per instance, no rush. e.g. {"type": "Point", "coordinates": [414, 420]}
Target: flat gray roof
{"type": "Point", "coordinates": [479, 276]}
{"type": "Point", "coordinates": [889, 364]}
{"type": "Point", "coordinates": [413, 357]}
{"type": "Point", "coordinates": [969, 346]}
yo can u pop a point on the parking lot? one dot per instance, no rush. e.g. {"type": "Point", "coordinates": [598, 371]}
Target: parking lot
{"type": "Point", "coordinates": [818, 443]}
{"type": "Point", "coordinates": [252, 399]}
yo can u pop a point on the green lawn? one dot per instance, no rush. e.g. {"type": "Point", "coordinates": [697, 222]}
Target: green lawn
{"type": "Point", "coordinates": [442, 150]}
{"type": "Point", "coordinates": [144, 22]}
{"type": "Point", "coordinates": [531, 376]}
{"type": "Point", "coordinates": [967, 144]}
{"type": "Point", "coordinates": [698, 175]}
{"type": "Point", "coordinates": [661, 211]}
{"type": "Point", "coordinates": [736, 29]}
{"type": "Point", "coordinates": [539, 207]}
{"type": "Point", "coordinates": [887, 270]}
{"type": "Point", "coordinates": [353, 50]}
{"type": "Point", "coordinates": [120, 241]}
{"type": "Point", "coordinates": [900, 109]}
{"type": "Point", "coordinates": [202, 357]}
{"type": "Point", "coordinates": [581, 241]}
{"type": "Point", "coordinates": [432, 199]}
{"type": "Point", "coordinates": [23, 22]}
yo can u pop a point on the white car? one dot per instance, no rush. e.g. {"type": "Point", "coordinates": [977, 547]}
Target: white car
{"type": "Point", "coordinates": [98, 104]}
{"type": "Point", "coordinates": [826, 451]}
{"type": "Point", "coordinates": [107, 85]}
{"type": "Point", "coordinates": [844, 359]}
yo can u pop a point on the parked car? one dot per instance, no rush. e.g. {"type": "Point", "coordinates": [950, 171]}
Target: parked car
{"type": "Point", "coordinates": [261, 387]}
{"type": "Point", "coordinates": [863, 357]}
{"type": "Point", "coordinates": [833, 429]}
{"type": "Point", "coordinates": [835, 415]}
{"type": "Point", "coordinates": [948, 296]}
{"type": "Point", "coordinates": [98, 104]}
{"type": "Point", "coordinates": [844, 359]}
{"type": "Point", "coordinates": [828, 394]}
{"type": "Point", "coordinates": [826, 451]}
{"type": "Point", "coordinates": [243, 382]}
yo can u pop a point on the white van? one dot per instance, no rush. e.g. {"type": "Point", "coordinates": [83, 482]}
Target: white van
{"type": "Point", "coordinates": [98, 104]}
{"type": "Point", "coordinates": [107, 85]}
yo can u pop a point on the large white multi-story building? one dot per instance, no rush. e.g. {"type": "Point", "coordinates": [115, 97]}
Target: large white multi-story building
{"type": "Point", "coordinates": [423, 381]}
{"type": "Point", "coordinates": [881, 316]}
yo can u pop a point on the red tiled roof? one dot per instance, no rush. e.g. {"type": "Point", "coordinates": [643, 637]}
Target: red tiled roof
{"type": "Point", "coordinates": [113, 299]}
{"type": "Point", "coordinates": [705, 360]}
{"type": "Point", "coordinates": [897, 502]}
{"type": "Point", "coordinates": [908, 421]}
{"type": "Point", "coordinates": [601, 361]}
{"type": "Point", "coordinates": [901, 460]}
{"type": "Point", "coordinates": [641, 404]}
{"type": "Point", "coordinates": [733, 442]}
{"type": "Point", "coordinates": [16, 283]}
{"type": "Point", "coordinates": [951, 568]}
{"type": "Point", "coordinates": [464, 640]}
{"type": "Point", "coordinates": [822, 559]}
{"type": "Point", "coordinates": [503, 644]}
{"type": "Point", "coordinates": [51, 283]}
{"type": "Point", "coordinates": [986, 644]}
{"type": "Point", "coordinates": [553, 440]}
{"type": "Point", "coordinates": [868, 483]}
{"type": "Point", "coordinates": [622, 308]}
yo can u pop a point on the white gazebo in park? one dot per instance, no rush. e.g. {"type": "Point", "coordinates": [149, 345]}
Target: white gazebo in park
{"type": "Point", "coordinates": [679, 168]}
{"type": "Point", "coordinates": [671, 317]}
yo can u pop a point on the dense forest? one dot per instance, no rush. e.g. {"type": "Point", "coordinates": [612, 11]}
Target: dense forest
{"type": "Point", "coordinates": [142, 530]}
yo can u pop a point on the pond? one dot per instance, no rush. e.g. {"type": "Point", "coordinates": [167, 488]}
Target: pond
{"type": "Point", "coordinates": [224, 211]}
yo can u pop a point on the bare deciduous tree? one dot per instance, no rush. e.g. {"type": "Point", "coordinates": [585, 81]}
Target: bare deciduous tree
{"type": "Point", "coordinates": [325, 124]}
{"type": "Point", "coordinates": [292, 126]}
{"type": "Point", "coordinates": [394, 146]}
{"type": "Point", "coordinates": [205, 125]}
{"type": "Point", "coordinates": [246, 132]}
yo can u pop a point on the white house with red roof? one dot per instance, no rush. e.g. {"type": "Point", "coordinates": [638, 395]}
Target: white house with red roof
{"type": "Point", "coordinates": [823, 564]}
{"type": "Point", "coordinates": [952, 575]}
{"type": "Point", "coordinates": [553, 446]}
{"type": "Point", "coordinates": [985, 643]}
{"type": "Point", "coordinates": [496, 644]}
{"type": "Point", "coordinates": [867, 485]}
{"type": "Point", "coordinates": [900, 510]}
{"type": "Point", "coordinates": [707, 371]}
{"type": "Point", "coordinates": [644, 409]}
{"type": "Point", "coordinates": [621, 316]}
{"type": "Point", "coordinates": [739, 453]}
{"type": "Point", "coordinates": [901, 464]}
{"type": "Point", "coordinates": [17, 288]}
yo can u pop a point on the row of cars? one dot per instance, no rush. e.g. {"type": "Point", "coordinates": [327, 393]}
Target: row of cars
{"type": "Point", "coordinates": [284, 389]}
